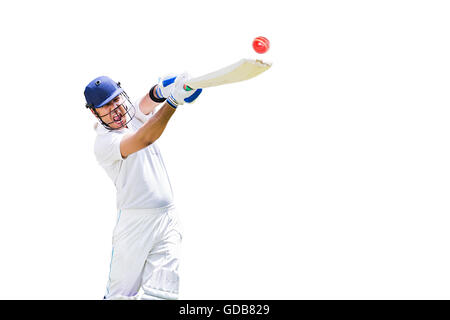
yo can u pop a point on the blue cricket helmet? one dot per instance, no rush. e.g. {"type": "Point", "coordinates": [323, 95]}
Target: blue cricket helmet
{"type": "Point", "coordinates": [100, 91]}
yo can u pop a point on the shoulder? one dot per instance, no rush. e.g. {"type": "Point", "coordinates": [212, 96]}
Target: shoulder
{"type": "Point", "coordinates": [107, 143]}
{"type": "Point", "coordinates": [108, 137]}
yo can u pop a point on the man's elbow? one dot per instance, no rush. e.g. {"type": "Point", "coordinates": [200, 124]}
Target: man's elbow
{"type": "Point", "coordinates": [147, 140]}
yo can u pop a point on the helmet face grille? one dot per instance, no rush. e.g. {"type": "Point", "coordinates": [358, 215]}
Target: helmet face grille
{"type": "Point", "coordinates": [124, 110]}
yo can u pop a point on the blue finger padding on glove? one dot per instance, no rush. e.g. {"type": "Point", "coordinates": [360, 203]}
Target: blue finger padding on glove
{"type": "Point", "coordinates": [165, 83]}
{"type": "Point", "coordinates": [194, 96]}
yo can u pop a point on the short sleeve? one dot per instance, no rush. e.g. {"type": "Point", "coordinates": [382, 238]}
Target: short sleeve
{"type": "Point", "coordinates": [107, 147]}
{"type": "Point", "coordinates": [140, 115]}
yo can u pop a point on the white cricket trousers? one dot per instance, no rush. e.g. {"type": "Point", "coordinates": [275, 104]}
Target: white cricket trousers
{"type": "Point", "coordinates": [145, 255]}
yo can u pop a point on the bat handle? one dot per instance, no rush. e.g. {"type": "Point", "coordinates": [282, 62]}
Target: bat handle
{"type": "Point", "coordinates": [187, 88]}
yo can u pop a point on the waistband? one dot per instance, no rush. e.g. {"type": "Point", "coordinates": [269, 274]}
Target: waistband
{"type": "Point", "coordinates": [149, 210]}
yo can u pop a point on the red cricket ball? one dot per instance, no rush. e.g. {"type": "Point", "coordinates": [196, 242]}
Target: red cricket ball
{"type": "Point", "coordinates": [261, 44]}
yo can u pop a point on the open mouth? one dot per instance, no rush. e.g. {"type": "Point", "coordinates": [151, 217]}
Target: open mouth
{"type": "Point", "coordinates": [118, 118]}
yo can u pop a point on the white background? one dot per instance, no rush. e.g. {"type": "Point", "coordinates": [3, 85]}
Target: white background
{"type": "Point", "coordinates": [325, 178]}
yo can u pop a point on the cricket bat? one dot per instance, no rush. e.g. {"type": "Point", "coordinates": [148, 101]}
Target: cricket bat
{"type": "Point", "coordinates": [242, 70]}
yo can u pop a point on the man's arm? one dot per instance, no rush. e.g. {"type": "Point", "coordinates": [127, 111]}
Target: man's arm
{"type": "Point", "coordinates": [154, 127]}
{"type": "Point", "coordinates": [147, 105]}
{"type": "Point", "coordinates": [148, 133]}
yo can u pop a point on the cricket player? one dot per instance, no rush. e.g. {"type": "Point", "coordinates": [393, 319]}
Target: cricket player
{"type": "Point", "coordinates": [147, 236]}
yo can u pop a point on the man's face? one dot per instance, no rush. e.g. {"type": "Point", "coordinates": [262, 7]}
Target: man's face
{"type": "Point", "coordinates": [114, 113]}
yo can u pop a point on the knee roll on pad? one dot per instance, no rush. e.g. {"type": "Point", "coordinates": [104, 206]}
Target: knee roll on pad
{"type": "Point", "coordinates": [163, 284]}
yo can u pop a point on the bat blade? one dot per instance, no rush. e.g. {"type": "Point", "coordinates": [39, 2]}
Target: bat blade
{"type": "Point", "coordinates": [242, 70]}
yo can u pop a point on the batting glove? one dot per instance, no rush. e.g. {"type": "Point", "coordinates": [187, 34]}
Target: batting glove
{"type": "Point", "coordinates": [165, 86]}
{"type": "Point", "coordinates": [179, 95]}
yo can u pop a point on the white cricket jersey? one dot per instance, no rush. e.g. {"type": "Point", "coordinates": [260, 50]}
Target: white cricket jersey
{"type": "Point", "coordinates": [141, 179]}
